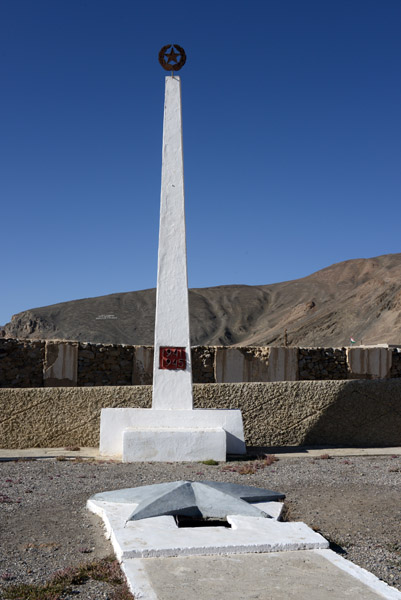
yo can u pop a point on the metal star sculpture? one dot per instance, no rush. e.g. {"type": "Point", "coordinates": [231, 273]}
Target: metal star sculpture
{"type": "Point", "coordinates": [172, 56]}
{"type": "Point", "coordinates": [207, 499]}
{"type": "Point", "coordinates": [165, 58]}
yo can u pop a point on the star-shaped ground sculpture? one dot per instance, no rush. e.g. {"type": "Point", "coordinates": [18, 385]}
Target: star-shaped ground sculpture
{"type": "Point", "coordinates": [207, 499]}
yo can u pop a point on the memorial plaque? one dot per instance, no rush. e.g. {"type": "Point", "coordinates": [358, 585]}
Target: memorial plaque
{"type": "Point", "coordinates": [172, 358]}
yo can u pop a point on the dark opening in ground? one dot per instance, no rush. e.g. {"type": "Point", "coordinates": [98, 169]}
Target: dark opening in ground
{"type": "Point", "coordinates": [183, 521]}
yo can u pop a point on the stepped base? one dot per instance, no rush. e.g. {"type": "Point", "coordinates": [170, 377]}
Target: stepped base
{"type": "Point", "coordinates": [168, 423]}
{"type": "Point", "coordinates": [173, 445]}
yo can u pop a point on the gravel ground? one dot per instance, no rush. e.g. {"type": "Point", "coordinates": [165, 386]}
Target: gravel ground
{"type": "Point", "coordinates": [354, 502]}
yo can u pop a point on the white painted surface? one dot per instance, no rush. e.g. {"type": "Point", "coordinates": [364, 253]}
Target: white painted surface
{"type": "Point", "coordinates": [65, 366]}
{"type": "Point", "coordinates": [142, 372]}
{"type": "Point", "coordinates": [375, 361]}
{"type": "Point", "coordinates": [283, 364]}
{"type": "Point", "coordinates": [234, 365]}
{"type": "Point", "coordinates": [136, 542]}
{"type": "Point", "coordinates": [300, 575]}
{"type": "Point", "coordinates": [113, 422]}
{"type": "Point", "coordinates": [172, 389]}
{"type": "Point", "coordinates": [370, 580]}
{"type": "Point", "coordinates": [230, 365]}
{"type": "Point", "coordinates": [138, 579]}
{"type": "Point", "coordinates": [160, 536]}
{"type": "Point", "coordinates": [273, 509]}
{"type": "Point", "coordinates": [174, 445]}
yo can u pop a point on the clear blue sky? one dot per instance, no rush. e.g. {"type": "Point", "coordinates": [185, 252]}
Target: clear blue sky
{"type": "Point", "coordinates": [292, 141]}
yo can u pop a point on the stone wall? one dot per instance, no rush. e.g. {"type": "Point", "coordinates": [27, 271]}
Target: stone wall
{"type": "Point", "coordinates": [21, 363]}
{"type": "Point", "coordinates": [101, 364]}
{"type": "Point", "coordinates": [25, 363]}
{"type": "Point", "coordinates": [309, 413]}
{"type": "Point", "coordinates": [203, 364]}
{"type": "Point", "coordinates": [322, 363]}
{"type": "Point", "coordinates": [395, 370]}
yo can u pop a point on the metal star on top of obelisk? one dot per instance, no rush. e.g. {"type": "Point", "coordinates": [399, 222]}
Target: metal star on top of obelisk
{"type": "Point", "coordinates": [165, 57]}
{"type": "Point", "coordinates": [172, 56]}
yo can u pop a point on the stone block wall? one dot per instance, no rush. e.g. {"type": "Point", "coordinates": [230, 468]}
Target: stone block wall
{"type": "Point", "coordinates": [395, 370]}
{"type": "Point", "coordinates": [322, 363]}
{"type": "Point", "coordinates": [21, 363]}
{"type": "Point", "coordinates": [203, 364]}
{"type": "Point", "coordinates": [25, 363]}
{"type": "Point", "coordinates": [104, 364]}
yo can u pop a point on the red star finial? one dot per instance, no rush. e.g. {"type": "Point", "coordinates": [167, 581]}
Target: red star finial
{"type": "Point", "coordinates": [172, 56]}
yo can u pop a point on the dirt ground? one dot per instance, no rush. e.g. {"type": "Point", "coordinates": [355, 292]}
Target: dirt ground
{"type": "Point", "coordinates": [44, 525]}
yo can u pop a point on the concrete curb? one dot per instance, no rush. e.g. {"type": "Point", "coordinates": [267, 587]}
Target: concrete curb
{"type": "Point", "coordinates": [285, 452]}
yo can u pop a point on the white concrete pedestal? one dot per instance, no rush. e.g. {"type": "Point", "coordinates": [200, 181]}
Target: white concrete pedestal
{"type": "Point", "coordinates": [202, 434]}
{"type": "Point", "coordinates": [173, 445]}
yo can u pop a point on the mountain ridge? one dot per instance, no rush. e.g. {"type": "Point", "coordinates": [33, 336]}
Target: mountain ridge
{"type": "Point", "coordinates": [359, 298]}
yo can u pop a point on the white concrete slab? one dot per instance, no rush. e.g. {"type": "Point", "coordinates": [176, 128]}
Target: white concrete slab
{"type": "Point", "coordinates": [142, 366]}
{"type": "Point", "coordinates": [257, 559]}
{"type": "Point", "coordinates": [233, 365]}
{"type": "Point", "coordinates": [61, 364]}
{"type": "Point", "coordinates": [160, 536]}
{"type": "Point", "coordinates": [283, 364]}
{"type": "Point", "coordinates": [230, 365]}
{"type": "Point", "coordinates": [114, 421]}
{"type": "Point", "coordinates": [374, 362]}
{"type": "Point", "coordinates": [300, 575]}
{"type": "Point", "coordinates": [364, 576]}
{"type": "Point", "coordinates": [173, 445]}
{"type": "Point", "coordinates": [274, 509]}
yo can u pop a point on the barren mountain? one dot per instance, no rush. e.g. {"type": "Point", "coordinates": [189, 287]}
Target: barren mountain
{"type": "Point", "coordinates": [359, 298]}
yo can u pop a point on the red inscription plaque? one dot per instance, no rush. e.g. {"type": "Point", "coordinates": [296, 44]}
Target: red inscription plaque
{"type": "Point", "coordinates": [172, 358]}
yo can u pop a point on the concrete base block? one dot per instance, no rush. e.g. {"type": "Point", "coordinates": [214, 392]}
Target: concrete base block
{"type": "Point", "coordinates": [161, 536]}
{"type": "Point", "coordinates": [176, 445]}
{"type": "Point", "coordinates": [283, 364]}
{"type": "Point", "coordinates": [369, 362]}
{"type": "Point", "coordinates": [61, 364]}
{"type": "Point", "coordinates": [114, 421]}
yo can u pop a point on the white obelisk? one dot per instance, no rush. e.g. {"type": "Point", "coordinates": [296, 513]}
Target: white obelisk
{"type": "Point", "coordinates": [172, 389]}
{"type": "Point", "coordinates": [171, 430]}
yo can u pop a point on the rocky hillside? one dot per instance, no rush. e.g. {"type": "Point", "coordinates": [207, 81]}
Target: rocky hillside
{"type": "Point", "coordinates": [359, 298]}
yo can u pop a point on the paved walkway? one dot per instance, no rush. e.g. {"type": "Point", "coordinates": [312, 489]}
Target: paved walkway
{"type": "Point", "coordinates": [298, 575]}
{"type": "Point", "coordinates": [286, 452]}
